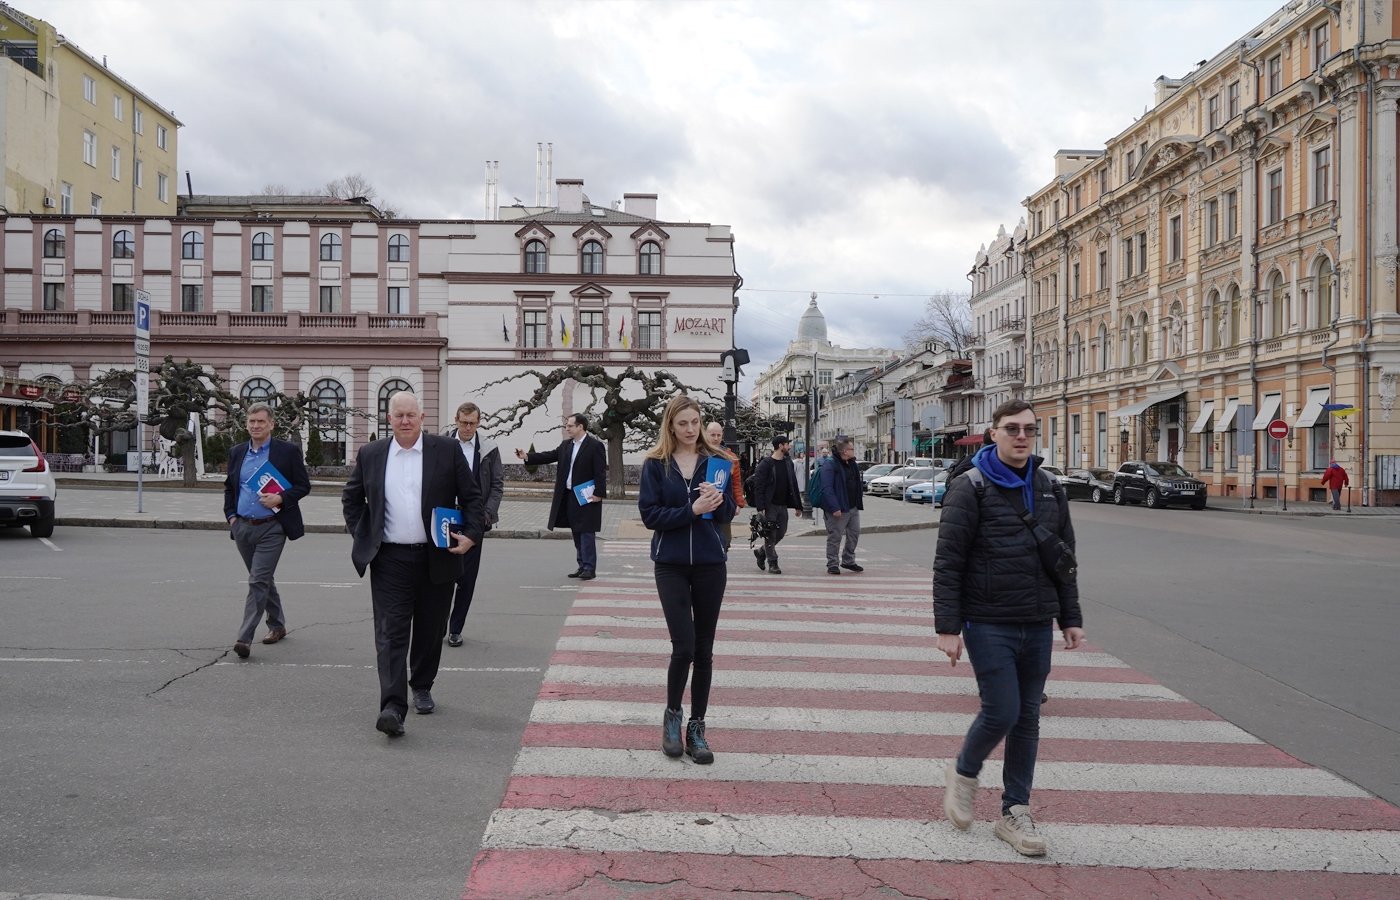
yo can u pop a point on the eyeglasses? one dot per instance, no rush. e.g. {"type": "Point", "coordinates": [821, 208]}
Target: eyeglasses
{"type": "Point", "coordinates": [1017, 430]}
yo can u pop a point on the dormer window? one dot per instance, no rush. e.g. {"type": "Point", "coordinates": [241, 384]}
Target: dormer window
{"type": "Point", "coordinates": [536, 258]}
{"type": "Point", "coordinates": [649, 259]}
{"type": "Point", "coordinates": [591, 258]}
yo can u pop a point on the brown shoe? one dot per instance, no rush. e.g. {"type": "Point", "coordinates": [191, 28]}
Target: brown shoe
{"type": "Point", "coordinates": [241, 648]}
{"type": "Point", "coordinates": [275, 635]}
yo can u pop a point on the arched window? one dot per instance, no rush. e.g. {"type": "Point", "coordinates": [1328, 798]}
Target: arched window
{"type": "Point", "coordinates": [123, 245]}
{"type": "Point", "coordinates": [387, 390]}
{"type": "Point", "coordinates": [1103, 348]}
{"type": "Point", "coordinates": [398, 248]}
{"type": "Point", "coordinates": [192, 247]}
{"type": "Point", "coordinates": [262, 246]}
{"type": "Point", "coordinates": [1078, 355]}
{"type": "Point", "coordinates": [1128, 352]}
{"type": "Point", "coordinates": [55, 244]}
{"type": "Point", "coordinates": [649, 259]}
{"type": "Point", "coordinates": [257, 390]}
{"type": "Point", "coordinates": [536, 258]}
{"type": "Point", "coordinates": [1146, 337]}
{"type": "Point", "coordinates": [591, 258]}
{"type": "Point", "coordinates": [1236, 315]}
{"type": "Point", "coordinates": [328, 419]}
{"type": "Point", "coordinates": [1322, 307]}
{"type": "Point", "coordinates": [1278, 303]}
{"type": "Point", "coordinates": [1212, 336]}
{"type": "Point", "coordinates": [330, 247]}
{"type": "Point", "coordinates": [1055, 360]}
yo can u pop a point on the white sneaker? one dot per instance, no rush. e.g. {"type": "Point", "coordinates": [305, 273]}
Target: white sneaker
{"type": "Point", "coordinates": [959, 792]}
{"type": "Point", "coordinates": [1017, 828]}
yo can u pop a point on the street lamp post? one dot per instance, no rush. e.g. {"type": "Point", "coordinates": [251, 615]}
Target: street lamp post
{"type": "Point", "coordinates": [807, 388]}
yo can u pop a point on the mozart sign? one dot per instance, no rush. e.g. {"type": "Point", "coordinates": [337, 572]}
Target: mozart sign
{"type": "Point", "coordinates": [700, 326]}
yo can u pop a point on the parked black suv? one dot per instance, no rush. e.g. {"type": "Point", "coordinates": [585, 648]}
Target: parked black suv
{"type": "Point", "coordinates": [1157, 484]}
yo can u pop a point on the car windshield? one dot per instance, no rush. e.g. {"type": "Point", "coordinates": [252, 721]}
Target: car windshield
{"type": "Point", "coordinates": [1170, 470]}
{"type": "Point", "coordinates": [1053, 469]}
{"type": "Point", "coordinates": [1102, 474]}
{"type": "Point", "coordinates": [923, 474]}
{"type": "Point", "coordinates": [16, 445]}
{"type": "Point", "coordinates": [902, 470]}
{"type": "Point", "coordinates": [881, 469]}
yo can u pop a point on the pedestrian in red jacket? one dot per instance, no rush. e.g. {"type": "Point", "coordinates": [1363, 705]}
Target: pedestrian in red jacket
{"type": "Point", "coordinates": [1335, 479]}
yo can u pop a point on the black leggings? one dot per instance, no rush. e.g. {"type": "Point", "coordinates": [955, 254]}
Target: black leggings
{"type": "Point", "coordinates": [690, 598]}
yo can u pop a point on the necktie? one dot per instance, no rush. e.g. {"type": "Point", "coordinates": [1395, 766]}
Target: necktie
{"type": "Point", "coordinates": [476, 454]}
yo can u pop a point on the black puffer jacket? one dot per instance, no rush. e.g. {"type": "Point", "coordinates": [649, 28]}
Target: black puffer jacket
{"type": "Point", "coordinates": [987, 567]}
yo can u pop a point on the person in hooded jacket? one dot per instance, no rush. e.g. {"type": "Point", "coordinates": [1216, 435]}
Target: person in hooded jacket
{"type": "Point", "coordinates": [687, 551]}
{"type": "Point", "coordinates": [993, 595]}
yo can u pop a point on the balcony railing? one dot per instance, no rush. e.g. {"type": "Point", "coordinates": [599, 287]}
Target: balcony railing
{"type": "Point", "coordinates": [1013, 326]}
{"type": "Point", "coordinates": [1012, 373]}
{"type": "Point", "coordinates": [80, 324]}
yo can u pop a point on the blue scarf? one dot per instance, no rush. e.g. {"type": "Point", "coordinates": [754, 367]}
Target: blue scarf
{"type": "Point", "coordinates": [1002, 475]}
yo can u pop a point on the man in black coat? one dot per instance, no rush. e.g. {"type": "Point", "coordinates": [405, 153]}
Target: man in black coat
{"type": "Point", "coordinates": [582, 458]}
{"type": "Point", "coordinates": [261, 521]}
{"type": "Point", "coordinates": [775, 492]}
{"type": "Point", "coordinates": [388, 505]}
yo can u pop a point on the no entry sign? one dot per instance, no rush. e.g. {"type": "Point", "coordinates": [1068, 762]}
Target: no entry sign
{"type": "Point", "coordinates": [1278, 429]}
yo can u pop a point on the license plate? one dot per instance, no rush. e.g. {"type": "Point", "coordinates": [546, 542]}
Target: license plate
{"type": "Point", "coordinates": [4, 475]}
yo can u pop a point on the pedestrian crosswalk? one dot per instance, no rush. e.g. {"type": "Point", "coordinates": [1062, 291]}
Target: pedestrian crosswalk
{"type": "Point", "coordinates": [831, 720]}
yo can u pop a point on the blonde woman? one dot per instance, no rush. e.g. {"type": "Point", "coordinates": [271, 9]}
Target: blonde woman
{"type": "Point", "coordinates": [688, 553]}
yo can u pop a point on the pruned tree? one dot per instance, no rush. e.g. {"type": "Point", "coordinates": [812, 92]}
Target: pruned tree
{"type": "Point", "coordinates": [947, 318]}
{"type": "Point", "coordinates": [348, 187]}
{"type": "Point", "coordinates": [624, 422]}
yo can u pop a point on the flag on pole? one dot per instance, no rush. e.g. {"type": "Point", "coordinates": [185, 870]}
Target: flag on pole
{"type": "Point", "coordinates": [505, 335]}
{"type": "Point", "coordinates": [563, 331]}
{"type": "Point", "coordinates": [622, 332]}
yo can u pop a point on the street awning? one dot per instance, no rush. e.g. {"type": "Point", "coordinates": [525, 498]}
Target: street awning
{"type": "Point", "coordinates": [1314, 408]}
{"type": "Point", "coordinates": [1140, 407]}
{"type": "Point", "coordinates": [1227, 418]}
{"type": "Point", "coordinates": [1267, 411]}
{"type": "Point", "coordinates": [1207, 407]}
{"type": "Point", "coordinates": [969, 441]}
{"type": "Point", "coordinates": [13, 401]}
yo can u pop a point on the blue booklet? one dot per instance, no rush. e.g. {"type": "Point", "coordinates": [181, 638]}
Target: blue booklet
{"type": "Point", "coordinates": [718, 472]}
{"type": "Point", "coordinates": [584, 492]}
{"type": "Point", "coordinates": [444, 517]}
{"type": "Point", "coordinates": [268, 480]}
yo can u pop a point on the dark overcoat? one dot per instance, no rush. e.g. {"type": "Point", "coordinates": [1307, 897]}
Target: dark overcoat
{"type": "Point", "coordinates": [590, 465]}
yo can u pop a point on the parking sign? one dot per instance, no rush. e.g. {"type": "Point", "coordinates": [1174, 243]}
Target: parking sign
{"type": "Point", "coordinates": [143, 315]}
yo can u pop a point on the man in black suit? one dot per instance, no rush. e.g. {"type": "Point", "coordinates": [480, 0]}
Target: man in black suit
{"type": "Point", "coordinates": [484, 457]}
{"type": "Point", "coordinates": [775, 492]}
{"type": "Point", "coordinates": [388, 504]}
{"type": "Point", "coordinates": [582, 458]}
{"type": "Point", "coordinates": [261, 521]}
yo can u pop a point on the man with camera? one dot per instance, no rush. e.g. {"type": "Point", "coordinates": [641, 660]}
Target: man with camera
{"type": "Point", "coordinates": [1004, 574]}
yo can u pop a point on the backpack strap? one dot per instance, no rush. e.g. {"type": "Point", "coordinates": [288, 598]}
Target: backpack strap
{"type": "Point", "coordinates": [974, 475]}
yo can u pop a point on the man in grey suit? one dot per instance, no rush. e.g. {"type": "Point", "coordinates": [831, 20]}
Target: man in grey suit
{"type": "Point", "coordinates": [484, 457]}
{"type": "Point", "coordinates": [388, 504]}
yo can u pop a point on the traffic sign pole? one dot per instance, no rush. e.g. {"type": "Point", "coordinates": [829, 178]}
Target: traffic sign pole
{"type": "Point", "coordinates": [143, 384]}
{"type": "Point", "coordinates": [1278, 431]}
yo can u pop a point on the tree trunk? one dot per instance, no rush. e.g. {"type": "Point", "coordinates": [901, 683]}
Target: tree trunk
{"type": "Point", "coordinates": [187, 463]}
{"type": "Point", "coordinates": [616, 473]}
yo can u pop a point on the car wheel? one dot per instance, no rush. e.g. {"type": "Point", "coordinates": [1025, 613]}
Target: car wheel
{"type": "Point", "coordinates": [1118, 498]}
{"type": "Point", "coordinates": [42, 527]}
{"type": "Point", "coordinates": [1097, 495]}
{"type": "Point", "coordinates": [1153, 501]}
{"type": "Point", "coordinates": [1198, 504]}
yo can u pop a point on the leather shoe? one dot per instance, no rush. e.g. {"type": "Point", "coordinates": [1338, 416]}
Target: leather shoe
{"type": "Point", "coordinates": [762, 559]}
{"type": "Point", "coordinates": [242, 649]}
{"type": "Point", "coordinates": [423, 702]}
{"type": "Point", "coordinates": [576, 574]}
{"type": "Point", "coordinates": [390, 722]}
{"type": "Point", "coordinates": [832, 570]}
{"type": "Point", "coordinates": [454, 640]}
{"type": "Point", "coordinates": [854, 567]}
{"type": "Point", "coordinates": [774, 570]}
{"type": "Point", "coordinates": [275, 635]}
{"type": "Point", "coordinates": [587, 575]}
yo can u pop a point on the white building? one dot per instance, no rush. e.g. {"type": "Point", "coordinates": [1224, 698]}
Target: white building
{"type": "Point", "coordinates": [999, 319]}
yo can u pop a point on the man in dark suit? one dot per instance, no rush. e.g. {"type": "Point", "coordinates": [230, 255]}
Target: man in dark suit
{"type": "Point", "coordinates": [775, 492]}
{"type": "Point", "coordinates": [388, 504]}
{"type": "Point", "coordinates": [582, 458]}
{"type": "Point", "coordinates": [261, 521]}
{"type": "Point", "coordinates": [484, 457]}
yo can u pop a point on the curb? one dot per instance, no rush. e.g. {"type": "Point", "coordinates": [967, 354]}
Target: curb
{"type": "Point", "coordinates": [311, 528]}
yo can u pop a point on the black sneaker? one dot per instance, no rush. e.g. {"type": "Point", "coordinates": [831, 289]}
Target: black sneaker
{"type": "Point", "coordinates": [774, 570]}
{"type": "Point", "coordinates": [454, 640]}
{"type": "Point", "coordinates": [853, 567]}
{"type": "Point", "coordinates": [762, 559]}
{"type": "Point", "coordinates": [832, 570]}
{"type": "Point", "coordinates": [423, 703]}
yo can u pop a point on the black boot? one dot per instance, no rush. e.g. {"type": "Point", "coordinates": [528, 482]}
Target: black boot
{"type": "Point", "coordinates": [671, 732]}
{"type": "Point", "coordinates": [695, 746]}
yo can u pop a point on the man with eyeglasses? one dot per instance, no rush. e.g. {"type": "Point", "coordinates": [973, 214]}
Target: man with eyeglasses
{"type": "Point", "coordinates": [995, 596]}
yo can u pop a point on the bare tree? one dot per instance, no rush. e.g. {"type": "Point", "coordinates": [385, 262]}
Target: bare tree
{"type": "Point", "coordinates": [274, 189]}
{"type": "Point", "coordinates": [947, 318]}
{"type": "Point", "coordinates": [353, 185]}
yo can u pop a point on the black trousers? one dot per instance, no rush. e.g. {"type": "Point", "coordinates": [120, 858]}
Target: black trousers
{"type": "Point", "coordinates": [466, 589]}
{"type": "Point", "coordinates": [778, 515]}
{"type": "Point", "coordinates": [410, 618]}
{"type": "Point", "coordinates": [691, 598]}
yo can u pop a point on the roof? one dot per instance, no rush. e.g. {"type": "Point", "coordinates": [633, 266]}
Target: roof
{"type": "Point", "coordinates": [591, 213]}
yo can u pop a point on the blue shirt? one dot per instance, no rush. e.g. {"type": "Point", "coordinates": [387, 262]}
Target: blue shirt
{"type": "Point", "coordinates": [248, 504]}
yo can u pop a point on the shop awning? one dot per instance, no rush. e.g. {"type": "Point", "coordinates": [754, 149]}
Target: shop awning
{"type": "Point", "coordinates": [37, 404]}
{"type": "Point", "coordinates": [1313, 409]}
{"type": "Point", "coordinates": [1140, 407]}
{"type": "Point", "coordinates": [970, 441]}
{"type": "Point", "coordinates": [1207, 407]}
{"type": "Point", "coordinates": [1227, 418]}
{"type": "Point", "coordinates": [1268, 410]}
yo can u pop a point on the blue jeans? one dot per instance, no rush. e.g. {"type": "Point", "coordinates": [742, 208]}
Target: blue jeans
{"type": "Point", "coordinates": [1011, 663]}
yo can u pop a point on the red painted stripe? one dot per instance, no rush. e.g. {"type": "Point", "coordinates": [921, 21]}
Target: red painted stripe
{"type": "Point", "coordinates": [579, 874]}
{"type": "Point", "coordinates": [932, 746]}
{"type": "Point", "coordinates": [890, 701]}
{"type": "Point", "coordinates": [854, 666]}
{"type": "Point", "coordinates": [731, 613]}
{"type": "Point", "coordinates": [634, 632]}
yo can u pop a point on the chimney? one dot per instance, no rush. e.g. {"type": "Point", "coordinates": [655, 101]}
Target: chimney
{"type": "Point", "coordinates": [570, 194]}
{"type": "Point", "coordinates": [643, 205]}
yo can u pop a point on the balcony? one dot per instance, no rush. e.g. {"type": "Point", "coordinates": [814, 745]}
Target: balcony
{"type": "Point", "coordinates": [1013, 328]}
{"type": "Point", "coordinates": [972, 388]}
{"type": "Point", "coordinates": [223, 325]}
{"type": "Point", "coordinates": [1013, 375]}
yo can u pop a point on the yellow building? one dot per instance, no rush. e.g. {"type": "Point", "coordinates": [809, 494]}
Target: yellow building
{"type": "Point", "coordinates": [78, 139]}
{"type": "Point", "coordinates": [1228, 260]}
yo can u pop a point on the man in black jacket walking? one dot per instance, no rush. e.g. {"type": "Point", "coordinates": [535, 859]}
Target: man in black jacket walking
{"type": "Point", "coordinates": [582, 459]}
{"type": "Point", "coordinates": [775, 492]}
{"type": "Point", "coordinates": [995, 594]}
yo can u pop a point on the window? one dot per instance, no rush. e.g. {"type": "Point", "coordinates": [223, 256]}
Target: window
{"type": "Point", "coordinates": [53, 296]}
{"type": "Point", "coordinates": [1274, 197]}
{"type": "Point", "coordinates": [398, 248]}
{"type": "Point", "coordinates": [1213, 112]}
{"type": "Point", "coordinates": [1232, 99]}
{"type": "Point", "coordinates": [536, 259]}
{"type": "Point", "coordinates": [1101, 442]}
{"type": "Point", "coordinates": [591, 258]}
{"type": "Point", "coordinates": [257, 390]}
{"type": "Point", "coordinates": [1207, 449]}
{"type": "Point", "coordinates": [1232, 214]}
{"type": "Point", "coordinates": [1320, 444]}
{"type": "Point", "coordinates": [192, 298]}
{"type": "Point", "coordinates": [1142, 251]}
{"type": "Point", "coordinates": [1103, 182]}
{"type": "Point", "coordinates": [330, 298]}
{"type": "Point", "coordinates": [1322, 175]}
{"type": "Point", "coordinates": [1275, 75]}
{"type": "Point", "coordinates": [398, 301]}
{"type": "Point", "coordinates": [261, 301]}
{"type": "Point", "coordinates": [1321, 48]}
{"type": "Point", "coordinates": [649, 331]}
{"type": "Point", "coordinates": [536, 333]}
{"type": "Point", "coordinates": [90, 148]}
{"type": "Point", "coordinates": [1078, 198]}
{"type": "Point", "coordinates": [1127, 257]}
{"type": "Point", "coordinates": [1128, 169]}
{"type": "Point", "coordinates": [1323, 292]}
{"type": "Point", "coordinates": [1278, 314]}
{"type": "Point", "coordinates": [117, 107]}
{"type": "Point", "coordinates": [65, 199]}
{"type": "Point", "coordinates": [649, 259]}
{"type": "Point", "coordinates": [90, 89]}
{"type": "Point", "coordinates": [386, 392]}
{"type": "Point", "coordinates": [123, 245]}
{"type": "Point", "coordinates": [192, 246]}
{"type": "Point", "coordinates": [328, 419]}
{"type": "Point", "coordinates": [95, 204]}
{"type": "Point", "coordinates": [116, 164]}
{"type": "Point", "coordinates": [1076, 443]}
{"type": "Point", "coordinates": [55, 244]}
{"type": "Point", "coordinates": [163, 188]}
{"type": "Point", "coordinates": [123, 298]}
{"type": "Point", "coordinates": [1103, 271]}
{"type": "Point", "coordinates": [139, 174]}
{"type": "Point", "coordinates": [1074, 281]}
{"type": "Point", "coordinates": [590, 330]}
{"type": "Point", "coordinates": [1212, 221]}
{"type": "Point", "coordinates": [1218, 334]}
{"type": "Point", "coordinates": [262, 246]}
{"type": "Point", "coordinates": [161, 135]}
{"type": "Point", "coordinates": [1174, 237]}
{"type": "Point", "coordinates": [330, 248]}
{"type": "Point", "coordinates": [138, 121]}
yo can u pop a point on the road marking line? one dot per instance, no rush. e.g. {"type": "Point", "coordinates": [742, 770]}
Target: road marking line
{"type": "Point", "coordinates": [51, 544]}
{"type": "Point", "coordinates": [1076, 658]}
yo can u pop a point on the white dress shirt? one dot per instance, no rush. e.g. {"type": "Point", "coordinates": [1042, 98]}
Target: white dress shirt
{"type": "Point", "coordinates": [573, 455]}
{"type": "Point", "coordinates": [469, 451]}
{"type": "Point", "coordinates": [403, 494]}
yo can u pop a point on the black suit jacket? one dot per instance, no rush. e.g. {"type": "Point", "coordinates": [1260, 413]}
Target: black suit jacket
{"type": "Point", "coordinates": [447, 481]}
{"type": "Point", "coordinates": [591, 465]}
{"type": "Point", "coordinates": [765, 482]}
{"type": "Point", "coordinates": [287, 458]}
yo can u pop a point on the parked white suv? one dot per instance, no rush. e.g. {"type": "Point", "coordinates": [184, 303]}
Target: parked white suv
{"type": "Point", "coordinates": [27, 486]}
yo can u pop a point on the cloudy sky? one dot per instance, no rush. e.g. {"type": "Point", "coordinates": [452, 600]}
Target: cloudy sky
{"type": "Point", "coordinates": [858, 149]}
